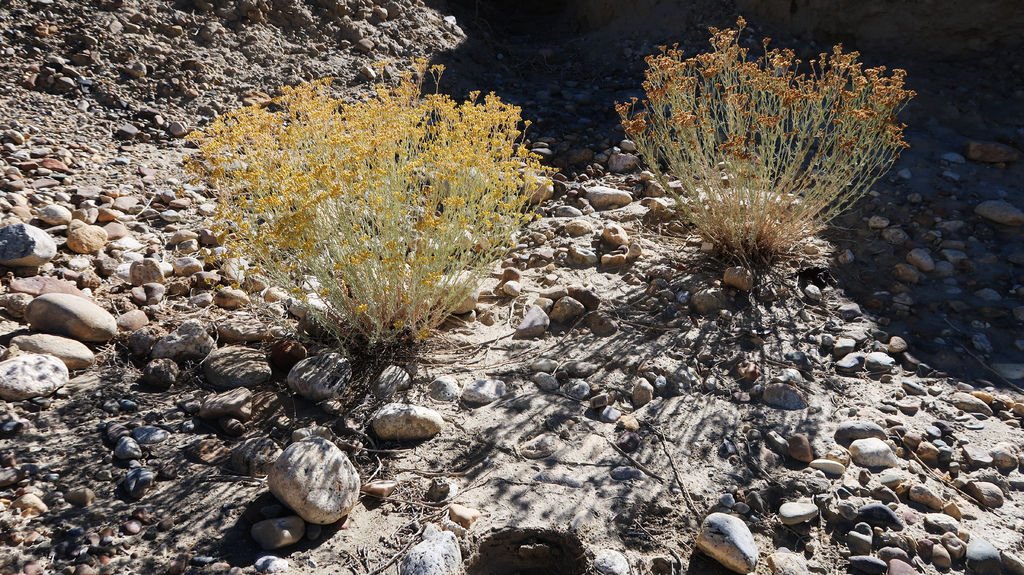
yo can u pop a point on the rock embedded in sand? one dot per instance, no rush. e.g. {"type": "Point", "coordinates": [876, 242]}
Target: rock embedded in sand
{"type": "Point", "coordinates": [481, 392]}
{"type": "Point", "coordinates": [728, 540]}
{"type": "Point", "coordinates": [783, 396]}
{"type": "Point", "coordinates": [797, 512]}
{"type": "Point", "coordinates": [404, 422]}
{"type": "Point", "coordinates": [873, 453]}
{"type": "Point", "coordinates": [983, 557]}
{"type": "Point", "coordinates": [316, 480]}
{"type": "Point", "coordinates": [849, 431]}
{"type": "Point", "coordinates": [278, 532]}
{"type": "Point", "coordinates": [990, 152]}
{"type": "Point", "coordinates": [444, 389]}
{"type": "Point", "coordinates": [437, 554]}
{"type": "Point", "coordinates": [738, 277]}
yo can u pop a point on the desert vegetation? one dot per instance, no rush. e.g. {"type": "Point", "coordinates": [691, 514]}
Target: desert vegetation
{"type": "Point", "coordinates": [766, 148]}
{"type": "Point", "coordinates": [383, 213]}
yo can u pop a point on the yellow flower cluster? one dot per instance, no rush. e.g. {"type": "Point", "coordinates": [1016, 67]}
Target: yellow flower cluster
{"type": "Point", "coordinates": [388, 202]}
{"type": "Point", "coordinates": [767, 149]}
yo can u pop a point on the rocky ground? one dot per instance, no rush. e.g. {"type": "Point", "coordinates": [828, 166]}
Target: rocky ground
{"type": "Point", "coordinates": [614, 401]}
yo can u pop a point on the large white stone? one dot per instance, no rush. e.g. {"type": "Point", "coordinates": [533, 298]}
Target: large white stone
{"type": "Point", "coordinates": [316, 480]}
{"type": "Point", "coordinates": [872, 452]}
{"type": "Point", "coordinates": [400, 421]}
{"type": "Point", "coordinates": [437, 554]}
{"type": "Point", "coordinates": [31, 375]}
{"type": "Point", "coordinates": [728, 540]}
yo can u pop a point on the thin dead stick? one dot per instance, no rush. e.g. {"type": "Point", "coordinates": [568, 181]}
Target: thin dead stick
{"type": "Point", "coordinates": [672, 463]}
{"type": "Point", "coordinates": [401, 553]}
{"type": "Point", "coordinates": [639, 465]}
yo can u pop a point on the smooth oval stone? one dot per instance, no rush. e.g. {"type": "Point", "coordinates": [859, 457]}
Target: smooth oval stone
{"type": "Point", "coordinates": [728, 540]}
{"type": "Point", "coordinates": [70, 316]}
{"type": "Point", "coordinates": [796, 512]}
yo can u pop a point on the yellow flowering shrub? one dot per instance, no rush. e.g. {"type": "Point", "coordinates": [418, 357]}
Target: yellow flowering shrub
{"type": "Point", "coordinates": [386, 210]}
{"type": "Point", "coordinates": [767, 149]}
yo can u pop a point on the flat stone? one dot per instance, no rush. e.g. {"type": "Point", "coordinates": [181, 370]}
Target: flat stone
{"type": "Point", "coordinates": [977, 457]}
{"type": "Point", "coordinates": [483, 391]}
{"type": "Point", "coordinates": [73, 353]}
{"type": "Point", "coordinates": [1000, 212]}
{"type": "Point", "coordinates": [71, 316]}
{"type": "Point", "coordinates": [278, 532]}
{"type": "Point", "coordinates": [404, 422]}
{"type": "Point", "coordinates": [940, 523]}
{"type": "Point", "coordinates": [849, 431]}
{"type": "Point", "coordinates": [40, 285]}
{"type": "Point", "coordinates": [236, 366]}
{"type": "Point", "coordinates": [728, 540]}
{"type": "Point", "coordinates": [867, 564]}
{"type": "Point", "coordinates": [605, 198]}
{"type": "Point", "coordinates": [796, 512]}
{"type": "Point", "coordinates": [879, 515]}
{"type": "Point", "coordinates": [150, 435]}
{"type": "Point", "coordinates": [970, 404]}
{"type": "Point", "coordinates": [783, 396]}
{"type": "Point", "coordinates": [879, 362]}
{"type": "Point", "coordinates": [235, 403]}
{"type": "Point", "coordinates": [828, 466]}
